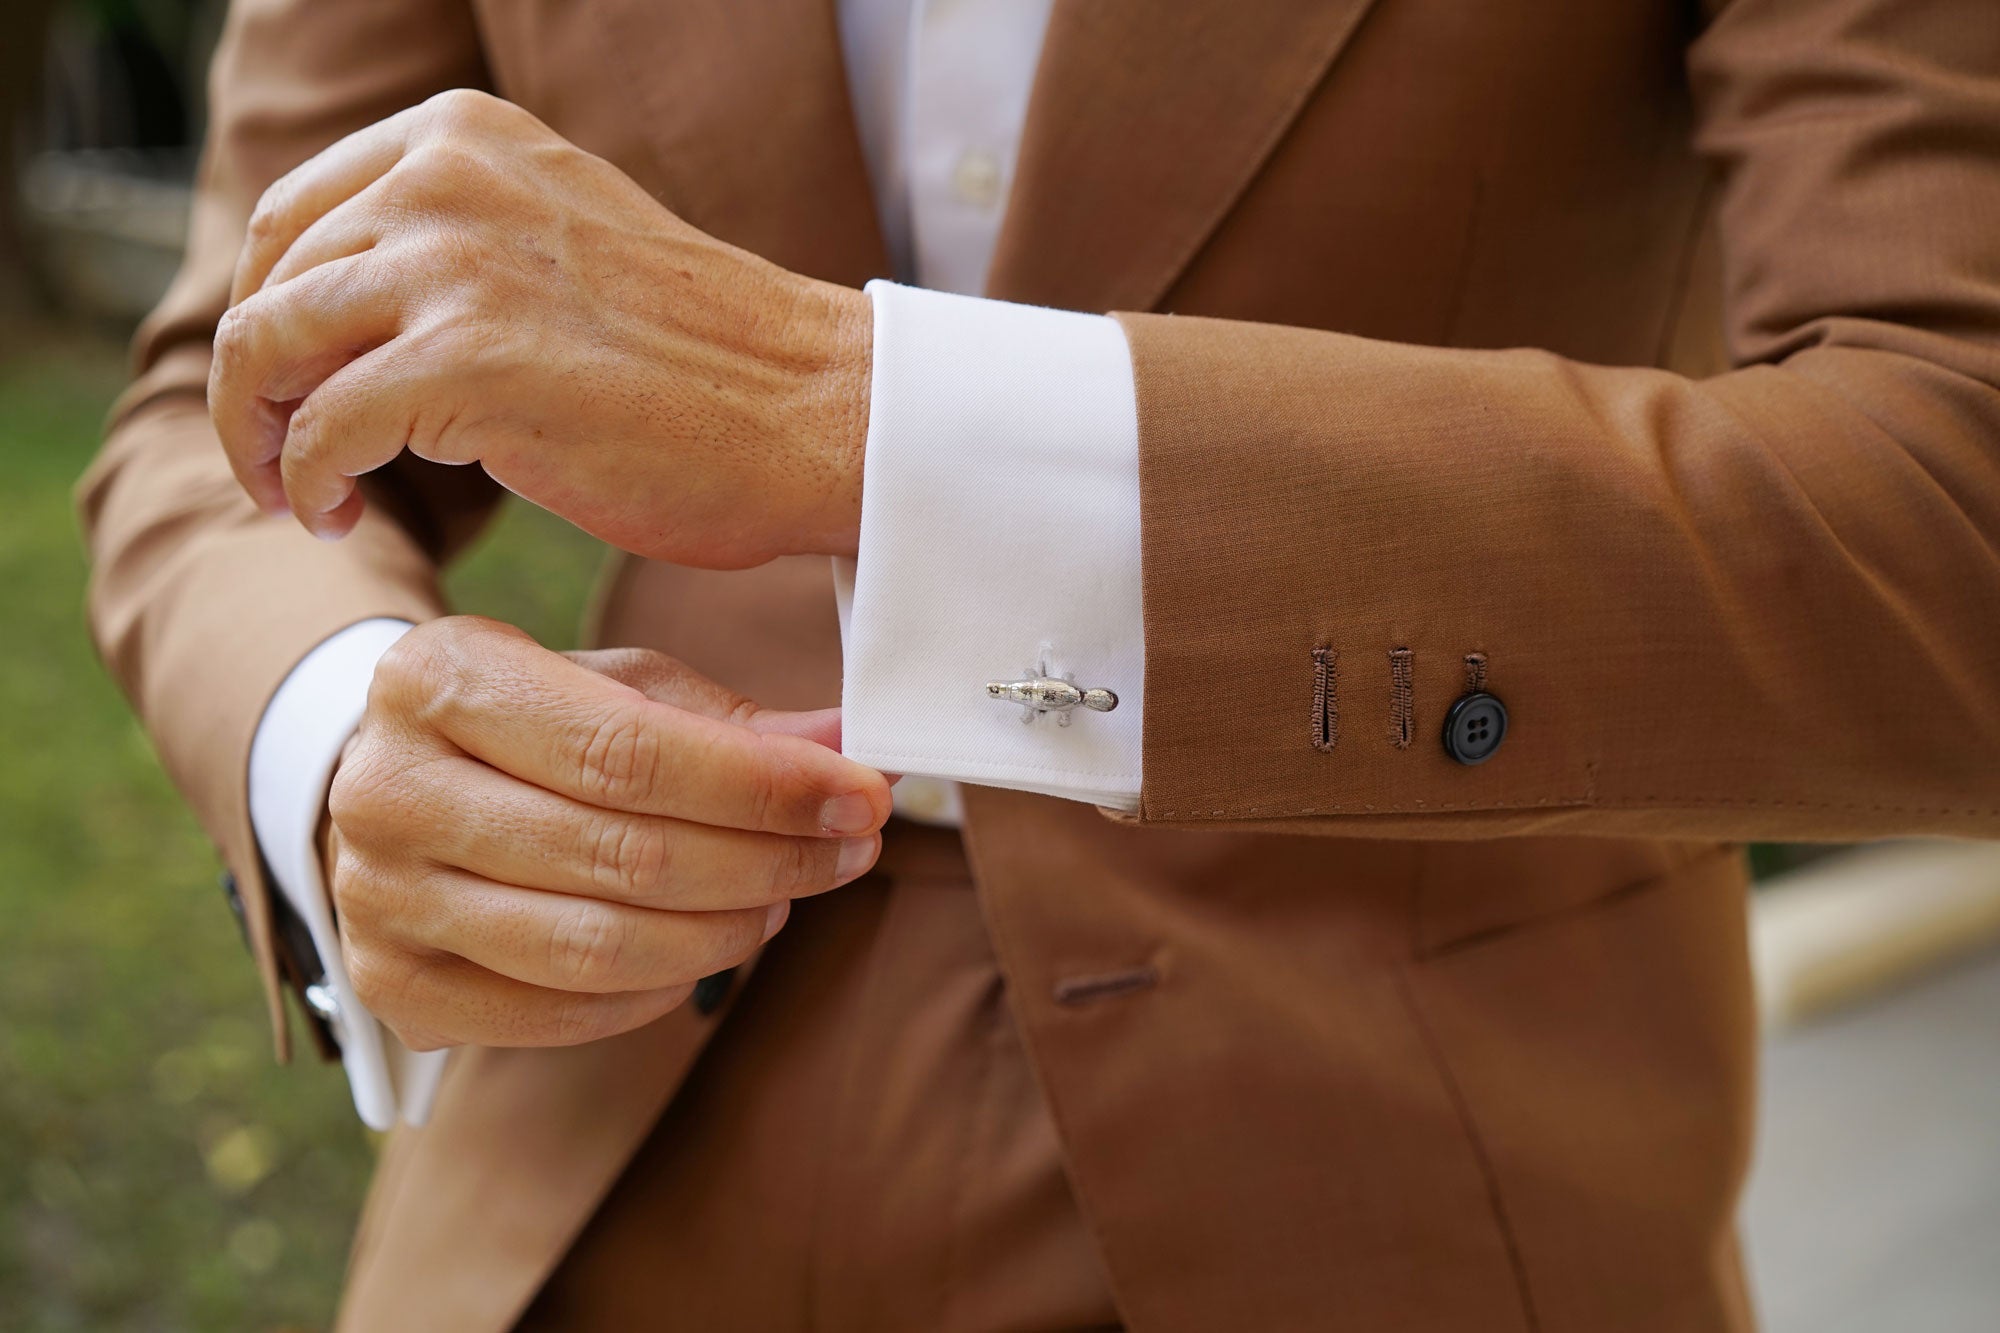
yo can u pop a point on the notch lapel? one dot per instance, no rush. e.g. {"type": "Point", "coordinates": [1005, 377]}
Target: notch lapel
{"type": "Point", "coordinates": [1147, 121]}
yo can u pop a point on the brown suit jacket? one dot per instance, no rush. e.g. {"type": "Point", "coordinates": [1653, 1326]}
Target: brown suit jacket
{"type": "Point", "coordinates": [1389, 1075]}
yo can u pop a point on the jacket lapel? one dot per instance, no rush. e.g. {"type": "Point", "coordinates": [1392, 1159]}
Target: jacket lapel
{"type": "Point", "coordinates": [746, 109]}
{"type": "Point", "coordinates": [1146, 122]}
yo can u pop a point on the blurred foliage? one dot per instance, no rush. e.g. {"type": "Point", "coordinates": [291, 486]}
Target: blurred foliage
{"type": "Point", "coordinates": [157, 1169]}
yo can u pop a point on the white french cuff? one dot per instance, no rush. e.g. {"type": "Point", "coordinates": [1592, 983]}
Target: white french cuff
{"type": "Point", "coordinates": [292, 758]}
{"type": "Point", "coordinates": [999, 535]}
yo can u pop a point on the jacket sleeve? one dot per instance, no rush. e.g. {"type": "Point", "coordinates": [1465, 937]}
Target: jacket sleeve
{"type": "Point", "coordinates": [1764, 604]}
{"type": "Point", "coordinates": [200, 605]}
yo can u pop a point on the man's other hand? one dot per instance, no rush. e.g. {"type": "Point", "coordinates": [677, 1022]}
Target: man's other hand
{"type": "Point", "coordinates": [533, 849]}
{"type": "Point", "coordinates": [461, 281]}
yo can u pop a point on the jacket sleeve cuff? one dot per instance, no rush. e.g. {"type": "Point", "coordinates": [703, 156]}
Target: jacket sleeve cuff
{"type": "Point", "coordinates": [999, 533]}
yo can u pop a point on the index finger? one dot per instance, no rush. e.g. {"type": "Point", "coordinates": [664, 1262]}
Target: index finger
{"type": "Point", "coordinates": [535, 714]}
{"type": "Point", "coordinates": [313, 189]}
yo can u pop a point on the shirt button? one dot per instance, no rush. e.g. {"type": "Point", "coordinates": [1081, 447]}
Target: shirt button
{"type": "Point", "coordinates": [1474, 728]}
{"type": "Point", "coordinates": [976, 178]}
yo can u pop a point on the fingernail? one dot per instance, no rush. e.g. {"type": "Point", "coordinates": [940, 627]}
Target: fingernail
{"type": "Point", "coordinates": [856, 855]}
{"type": "Point", "coordinates": [775, 918]}
{"type": "Point", "coordinates": [849, 814]}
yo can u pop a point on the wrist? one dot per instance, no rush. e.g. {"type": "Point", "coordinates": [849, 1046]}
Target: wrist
{"type": "Point", "coordinates": [836, 421]}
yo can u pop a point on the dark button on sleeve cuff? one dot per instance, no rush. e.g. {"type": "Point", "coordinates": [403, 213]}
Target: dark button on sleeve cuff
{"type": "Point", "coordinates": [1474, 728]}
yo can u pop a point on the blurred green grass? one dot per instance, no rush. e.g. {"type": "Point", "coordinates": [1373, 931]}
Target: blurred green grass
{"type": "Point", "coordinates": [157, 1170]}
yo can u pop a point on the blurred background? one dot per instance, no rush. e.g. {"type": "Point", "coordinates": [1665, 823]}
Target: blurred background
{"type": "Point", "coordinates": [159, 1172]}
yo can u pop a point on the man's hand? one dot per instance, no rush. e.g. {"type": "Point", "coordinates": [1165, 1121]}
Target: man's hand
{"type": "Point", "coordinates": [461, 281]}
{"type": "Point", "coordinates": [533, 850]}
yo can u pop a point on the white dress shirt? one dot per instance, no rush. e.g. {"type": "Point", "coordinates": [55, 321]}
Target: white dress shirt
{"type": "Point", "coordinates": [1000, 505]}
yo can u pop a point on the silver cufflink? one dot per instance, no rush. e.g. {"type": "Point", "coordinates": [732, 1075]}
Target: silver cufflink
{"type": "Point", "coordinates": [1044, 692]}
{"type": "Point", "coordinates": [319, 998]}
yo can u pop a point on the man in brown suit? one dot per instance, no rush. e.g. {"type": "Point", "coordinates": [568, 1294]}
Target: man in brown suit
{"type": "Point", "coordinates": [1408, 989]}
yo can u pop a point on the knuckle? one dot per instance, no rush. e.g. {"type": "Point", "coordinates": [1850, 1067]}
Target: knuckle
{"type": "Point", "coordinates": [379, 982]}
{"type": "Point", "coordinates": [440, 168]}
{"type": "Point", "coordinates": [357, 897]}
{"type": "Point", "coordinates": [360, 795]}
{"type": "Point", "coordinates": [419, 1039]}
{"type": "Point", "coordinates": [435, 429]}
{"type": "Point", "coordinates": [744, 935]}
{"type": "Point", "coordinates": [347, 800]}
{"type": "Point", "coordinates": [303, 436]}
{"type": "Point", "coordinates": [409, 659]}
{"type": "Point", "coordinates": [268, 217]}
{"type": "Point", "coordinates": [579, 1019]}
{"type": "Point", "coordinates": [805, 865]}
{"type": "Point", "coordinates": [232, 339]}
{"type": "Point", "coordinates": [759, 790]}
{"type": "Point", "coordinates": [364, 974]}
{"type": "Point", "coordinates": [437, 680]}
{"type": "Point", "coordinates": [462, 106]}
{"type": "Point", "coordinates": [621, 760]}
{"type": "Point", "coordinates": [449, 258]}
{"type": "Point", "coordinates": [631, 857]}
{"type": "Point", "coordinates": [586, 946]}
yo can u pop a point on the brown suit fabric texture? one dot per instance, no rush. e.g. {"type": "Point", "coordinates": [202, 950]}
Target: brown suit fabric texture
{"type": "Point", "coordinates": [862, 1145]}
{"type": "Point", "coordinates": [1423, 1046]}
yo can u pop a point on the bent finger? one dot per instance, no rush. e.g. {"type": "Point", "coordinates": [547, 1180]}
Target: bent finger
{"type": "Point", "coordinates": [512, 832]}
{"type": "Point", "coordinates": [277, 347]}
{"type": "Point", "coordinates": [569, 942]}
{"type": "Point", "coordinates": [440, 999]}
{"type": "Point", "coordinates": [352, 228]}
{"type": "Point", "coordinates": [315, 188]}
{"type": "Point", "coordinates": [357, 420]}
{"type": "Point", "coordinates": [549, 721]}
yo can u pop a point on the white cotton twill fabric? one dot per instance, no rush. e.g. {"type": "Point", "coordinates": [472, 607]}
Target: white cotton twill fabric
{"type": "Point", "coordinates": [292, 758]}
{"type": "Point", "coordinates": [999, 525]}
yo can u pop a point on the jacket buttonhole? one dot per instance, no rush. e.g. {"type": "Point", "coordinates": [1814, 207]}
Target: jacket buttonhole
{"type": "Point", "coordinates": [1097, 986]}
